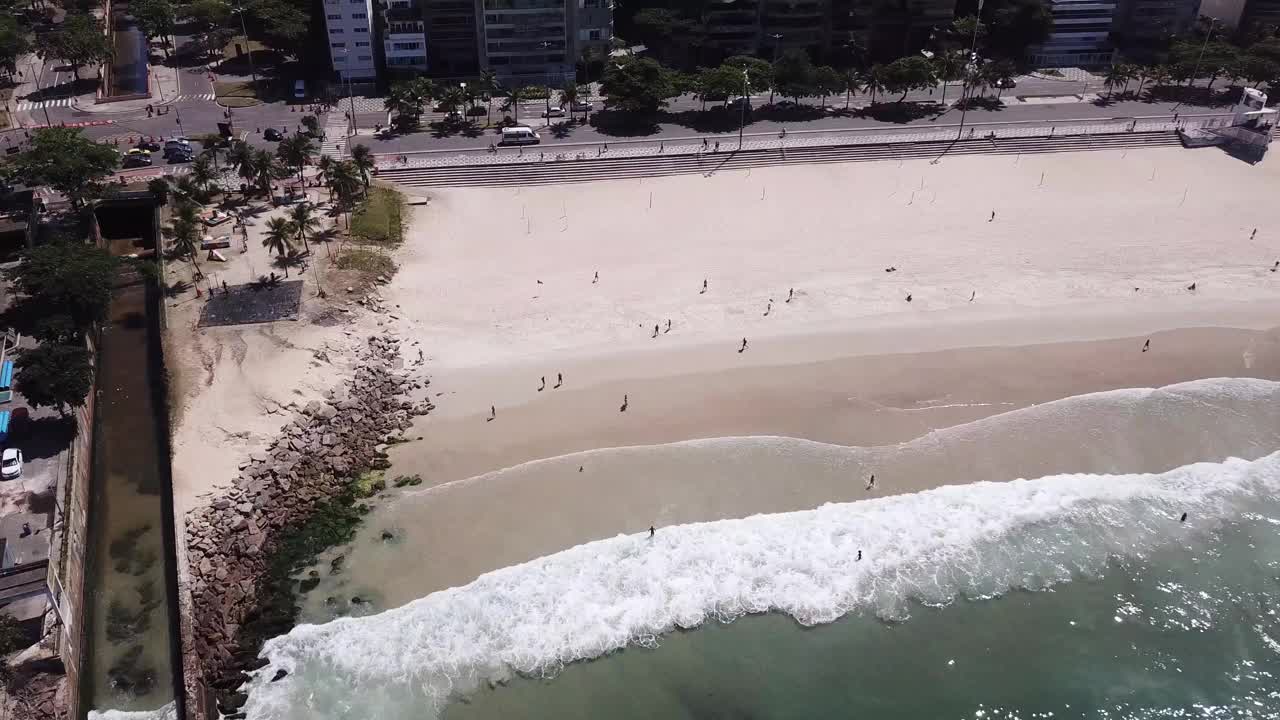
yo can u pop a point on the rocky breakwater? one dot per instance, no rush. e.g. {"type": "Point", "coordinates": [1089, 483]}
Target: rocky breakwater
{"type": "Point", "coordinates": [241, 547]}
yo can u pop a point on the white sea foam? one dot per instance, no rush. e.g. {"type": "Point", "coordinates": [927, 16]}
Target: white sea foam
{"type": "Point", "coordinates": [973, 541]}
{"type": "Point", "coordinates": [169, 711]}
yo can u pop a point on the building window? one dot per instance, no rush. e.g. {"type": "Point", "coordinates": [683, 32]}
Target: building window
{"type": "Point", "coordinates": [362, 43]}
{"type": "Point", "coordinates": [406, 46]}
{"type": "Point", "coordinates": [366, 57]}
{"type": "Point", "coordinates": [359, 16]}
{"type": "Point", "coordinates": [335, 31]}
{"type": "Point", "coordinates": [334, 17]}
{"type": "Point", "coordinates": [361, 30]}
{"type": "Point", "coordinates": [338, 45]}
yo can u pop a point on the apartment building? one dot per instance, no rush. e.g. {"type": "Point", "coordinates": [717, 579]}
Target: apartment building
{"type": "Point", "coordinates": [1143, 27]}
{"type": "Point", "coordinates": [1081, 34]}
{"type": "Point", "coordinates": [454, 47]}
{"type": "Point", "coordinates": [349, 26]}
{"type": "Point", "coordinates": [404, 38]}
{"type": "Point", "coordinates": [540, 41]}
{"type": "Point", "coordinates": [1260, 13]}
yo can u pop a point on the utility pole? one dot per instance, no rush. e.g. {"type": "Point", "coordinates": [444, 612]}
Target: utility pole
{"type": "Point", "coordinates": [249, 51]}
{"type": "Point", "coordinates": [40, 92]}
{"type": "Point", "coordinates": [742, 119]}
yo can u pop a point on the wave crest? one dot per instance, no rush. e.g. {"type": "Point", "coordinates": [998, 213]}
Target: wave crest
{"type": "Point", "coordinates": [974, 541]}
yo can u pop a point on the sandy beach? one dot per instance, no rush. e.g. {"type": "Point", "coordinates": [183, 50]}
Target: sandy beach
{"type": "Point", "coordinates": [1075, 273]}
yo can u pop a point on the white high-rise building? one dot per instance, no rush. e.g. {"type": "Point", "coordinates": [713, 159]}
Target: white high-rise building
{"type": "Point", "coordinates": [1081, 34]}
{"type": "Point", "coordinates": [349, 24]}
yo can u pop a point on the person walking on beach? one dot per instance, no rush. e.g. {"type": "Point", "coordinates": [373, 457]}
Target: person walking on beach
{"type": "Point", "coordinates": [651, 531]}
{"type": "Point", "coordinates": [871, 482]}
{"type": "Point", "coordinates": [1253, 234]}
{"type": "Point", "coordinates": [624, 403]}
{"type": "Point", "coordinates": [973, 295]}
{"type": "Point", "coordinates": [664, 332]}
{"type": "Point", "coordinates": [768, 308]}
{"type": "Point", "coordinates": [493, 413]}
{"type": "Point", "coordinates": [704, 285]}
{"type": "Point", "coordinates": [543, 386]}
{"type": "Point", "coordinates": [1147, 345]}
{"type": "Point", "coordinates": [1192, 287]}
{"type": "Point", "coordinates": [744, 346]}
{"type": "Point", "coordinates": [559, 381]}
{"type": "Point", "coordinates": [1183, 518]}
{"type": "Point", "coordinates": [596, 279]}
{"type": "Point", "coordinates": [655, 331]}
{"type": "Point", "coordinates": [791, 293]}
{"type": "Point", "coordinates": [420, 360]}
{"type": "Point", "coordinates": [859, 555]}
{"type": "Point", "coordinates": [993, 216]}
{"type": "Point", "coordinates": [908, 297]}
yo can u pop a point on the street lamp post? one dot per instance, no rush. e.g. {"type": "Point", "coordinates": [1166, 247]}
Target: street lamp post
{"type": "Point", "coordinates": [351, 99]}
{"type": "Point", "coordinates": [742, 118]}
{"type": "Point", "coordinates": [777, 44]}
{"type": "Point", "coordinates": [973, 61]}
{"type": "Point", "coordinates": [248, 50]}
{"type": "Point", "coordinates": [1195, 74]}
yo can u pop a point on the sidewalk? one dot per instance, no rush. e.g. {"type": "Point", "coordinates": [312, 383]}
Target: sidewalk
{"type": "Point", "coordinates": [777, 141]}
{"type": "Point", "coordinates": [163, 82]}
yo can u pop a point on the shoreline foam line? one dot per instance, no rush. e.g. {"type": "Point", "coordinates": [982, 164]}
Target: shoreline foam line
{"type": "Point", "coordinates": [934, 546]}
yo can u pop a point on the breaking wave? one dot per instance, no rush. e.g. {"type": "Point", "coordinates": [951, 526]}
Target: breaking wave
{"type": "Point", "coordinates": [971, 541]}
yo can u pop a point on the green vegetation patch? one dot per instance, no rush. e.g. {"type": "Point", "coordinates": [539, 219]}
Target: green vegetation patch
{"type": "Point", "coordinates": [367, 260]}
{"type": "Point", "coordinates": [380, 218]}
{"type": "Point", "coordinates": [236, 94]}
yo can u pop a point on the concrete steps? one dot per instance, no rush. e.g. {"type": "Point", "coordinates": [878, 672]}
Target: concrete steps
{"type": "Point", "coordinates": [605, 168]}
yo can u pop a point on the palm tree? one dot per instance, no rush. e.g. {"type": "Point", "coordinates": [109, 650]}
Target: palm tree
{"type": "Point", "coordinates": [210, 146]}
{"type": "Point", "coordinates": [874, 83]}
{"type": "Point", "coordinates": [1160, 76]}
{"type": "Point", "coordinates": [453, 98]}
{"type": "Point", "coordinates": [294, 151]}
{"type": "Point", "coordinates": [324, 166]}
{"type": "Point", "coordinates": [279, 238]}
{"type": "Point", "coordinates": [362, 159]}
{"type": "Point", "coordinates": [303, 220]}
{"type": "Point", "coordinates": [184, 231]}
{"type": "Point", "coordinates": [265, 169]}
{"type": "Point", "coordinates": [1116, 77]}
{"type": "Point", "coordinates": [569, 96]}
{"type": "Point", "coordinates": [344, 182]}
{"type": "Point", "coordinates": [853, 84]}
{"type": "Point", "coordinates": [516, 94]}
{"type": "Point", "coordinates": [202, 173]}
{"type": "Point", "coordinates": [948, 66]}
{"type": "Point", "coordinates": [240, 156]}
{"type": "Point", "coordinates": [488, 87]}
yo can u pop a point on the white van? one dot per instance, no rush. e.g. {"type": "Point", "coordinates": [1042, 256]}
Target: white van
{"type": "Point", "coordinates": [519, 135]}
{"type": "Point", "coordinates": [300, 90]}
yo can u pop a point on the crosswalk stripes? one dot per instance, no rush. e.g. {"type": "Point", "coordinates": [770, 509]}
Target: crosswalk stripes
{"type": "Point", "coordinates": [335, 135]}
{"type": "Point", "coordinates": [39, 104]}
{"type": "Point", "coordinates": [195, 96]}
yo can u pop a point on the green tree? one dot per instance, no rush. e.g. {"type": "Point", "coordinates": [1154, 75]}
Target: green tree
{"type": "Point", "coordinates": [65, 160]}
{"type": "Point", "coordinates": [312, 125]}
{"type": "Point", "coordinates": [13, 44]}
{"type": "Point", "coordinates": [282, 25]}
{"type": "Point", "coordinates": [948, 66]}
{"type": "Point", "coordinates": [853, 83]}
{"type": "Point", "coordinates": [155, 19]}
{"type": "Point", "coordinates": [1115, 77]}
{"type": "Point", "coordinates": [67, 278]}
{"type": "Point", "coordinates": [265, 170]}
{"type": "Point", "coordinates": [78, 40]}
{"type": "Point", "coordinates": [295, 152]}
{"type": "Point", "coordinates": [1017, 25]}
{"type": "Point", "coordinates": [568, 97]}
{"type": "Point", "coordinates": [210, 146]}
{"type": "Point", "coordinates": [362, 160]}
{"type": "Point", "coordinates": [639, 85]}
{"type": "Point", "coordinates": [409, 99]}
{"type": "Point", "coordinates": [794, 75]}
{"type": "Point", "coordinates": [827, 81]}
{"type": "Point", "coordinates": [279, 237]}
{"type": "Point", "coordinates": [344, 186]}
{"type": "Point", "coordinates": [489, 87]}
{"type": "Point", "coordinates": [207, 15]}
{"type": "Point", "coordinates": [52, 375]}
{"type": "Point", "coordinates": [514, 96]}
{"type": "Point", "coordinates": [759, 72]}
{"type": "Point", "coordinates": [183, 231]}
{"type": "Point", "coordinates": [203, 174]}
{"type": "Point", "coordinates": [903, 75]}
{"type": "Point", "coordinates": [452, 98]}
{"type": "Point", "coordinates": [302, 218]}
{"type": "Point", "coordinates": [717, 83]}
{"type": "Point", "coordinates": [874, 81]}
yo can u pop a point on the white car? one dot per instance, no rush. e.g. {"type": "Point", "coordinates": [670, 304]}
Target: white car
{"type": "Point", "coordinates": [582, 106]}
{"type": "Point", "coordinates": [554, 112]}
{"type": "Point", "coordinates": [11, 463]}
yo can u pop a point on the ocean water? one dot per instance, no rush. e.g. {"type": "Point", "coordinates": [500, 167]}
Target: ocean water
{"type": "Point", "coordinates": [961, 604]}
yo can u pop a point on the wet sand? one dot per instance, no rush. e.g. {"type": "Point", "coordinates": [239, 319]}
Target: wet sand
{"type": "Point", "coordinates": [881, 414]}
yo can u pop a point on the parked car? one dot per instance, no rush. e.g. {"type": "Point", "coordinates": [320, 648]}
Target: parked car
{"type": "Point", "coordinates": [519, 135]}
{"type": "Point", "coordinates": [739, 102]}
{"type": "Point", "coordinates": [136, 158]}
{"type": "Point", "coordinates": [180, 156]}
{"type": "Point", "coordinates": [272, 134]}
{"type": "Point", "coordinates": [150, 145]}
{"type": "Point", "coordinates": [554, 112]}
{"type": "Point", "coordinates": [11, 463]}
{"type": "Point", "coordinates": [1006, 83]}
{"type": "Point", "coordinates": [582, 107]}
